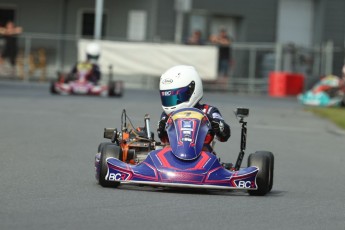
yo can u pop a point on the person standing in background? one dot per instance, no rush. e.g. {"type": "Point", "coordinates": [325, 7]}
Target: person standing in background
{"type": "Point", "coordinates": [223, 42]}
{"type": "Point", "coordinates": [9, 34]}
{"type": "Point", "coordinates": [195, 38]}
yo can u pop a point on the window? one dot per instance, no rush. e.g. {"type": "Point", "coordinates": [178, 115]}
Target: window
{"type": "Point", "coordinates": [295, 22]}
{"type": "Point", "coordinates": [198, 22]}
{"type": "Point", "coordinates": [137, 25]}
{"type": "Point", "coordinates": [6, 15]}
{"type": "Point", "coordinates": [88, 24]}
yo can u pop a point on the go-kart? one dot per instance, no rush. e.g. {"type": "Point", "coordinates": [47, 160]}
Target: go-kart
{"type": "Point", "coordinates": [79, 84]}
{"type": "Point", "coordinates": [329, 91]}
{"type": "Point", "coordinates": [133, 157]}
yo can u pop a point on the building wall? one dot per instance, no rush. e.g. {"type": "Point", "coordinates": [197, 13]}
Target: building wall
{"type": "Point", "coordinates": [295, 22]}
{"type": "Point", "coordinates": [334, 30]}
{"type": "Point", "coordinates": [334, 26]}
{"type": "Point", "coordinates": [32, 17]}
{"type": "Point", "coordinates": [165, 21]}
{"type": "Point", "coordinates": [257, 18]}
{"type": "Point", "coordinates": [118, 16]}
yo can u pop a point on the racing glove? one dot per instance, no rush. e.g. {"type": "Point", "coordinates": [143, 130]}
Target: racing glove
{"type": "Point", "coordinates": [162, 134]}
{"type": "Point", "coordinates": [221, 129]}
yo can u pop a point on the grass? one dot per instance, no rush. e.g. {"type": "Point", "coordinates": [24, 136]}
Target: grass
{"type": "Point", "coordinates": [336, 115]}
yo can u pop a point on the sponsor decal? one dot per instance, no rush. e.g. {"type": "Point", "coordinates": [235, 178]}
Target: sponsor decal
{"type": "Point", "coordinates": [187, 124]}
{"type": "Point", "coordinates": [167, 81]}
{"type": "Point", "coordinates": [187, 114]}
{"type": "Point", "coordinates": [117, 176]}
{"type": "Point", "coordinates": [245, 184]}
{"type": "Point", "coordinates": [166, 93]}
{"type": "Point", "coordinates": [187, 136]}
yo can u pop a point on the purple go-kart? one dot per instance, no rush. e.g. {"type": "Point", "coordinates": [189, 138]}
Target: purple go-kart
{"type": "Point", "coordinates": [183, 163]}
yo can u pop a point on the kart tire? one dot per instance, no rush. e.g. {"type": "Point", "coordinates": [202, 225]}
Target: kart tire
{"type": "Point", "coordinates": [107, 150]}
{"type": "Point", "coordinates": [101, 145]}
{"type": "Point", "coordinates": [271, 172]}
{"type": "Point", "coordinates": [264, 160]}
{"type": "Point", "coordinates": [52, 87]}
{"type": "Point", "coordinates": [115, 89]}
{"type": "Point", "coordinates": [342, 103]}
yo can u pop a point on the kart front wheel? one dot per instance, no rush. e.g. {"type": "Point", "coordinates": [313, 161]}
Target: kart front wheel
{"type": "Point", "coordinates": [101, 145]}
{"type": "Point", "coordinates": [264, 160]}
{"type": "Point", "coordinates": [107, 150]}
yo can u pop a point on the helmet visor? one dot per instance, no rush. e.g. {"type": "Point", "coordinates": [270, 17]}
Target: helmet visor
{"type": "Point", "coordinates": [92, 57]}
{"type": "Point", "coordinates": [174, 97]}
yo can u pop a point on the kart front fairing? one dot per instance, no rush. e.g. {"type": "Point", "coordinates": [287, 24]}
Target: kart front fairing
{"type": "Point", "coordinates": [162, 168]}
{"type": "Point", "coordinates": [327, 92]}
{"type": "Point", "coordinates": [183, 163]}
{"type": "Point", "coordinates": [319, 99]}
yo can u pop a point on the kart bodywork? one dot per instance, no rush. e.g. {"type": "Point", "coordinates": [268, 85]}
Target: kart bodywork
{"type": "Point", "coordinates": [162, 168]}
{"type": "Point", "coordinates": [183, 163]}
{"type": "Point", "coordinates": [79, 85]}
{"type": "Point", "coordinates": [329, 91]}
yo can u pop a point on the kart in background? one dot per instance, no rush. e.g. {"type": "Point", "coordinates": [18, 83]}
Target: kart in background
{"type": "Point", "coordinates": [80, 85]}
{"type": "Point", "coordinates": [133, 157]}
{"type": "Point", "coordinates": [329, 91]}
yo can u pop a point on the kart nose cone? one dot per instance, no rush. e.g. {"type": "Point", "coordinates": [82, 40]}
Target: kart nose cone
{"type": "Point", "coordinates": [187, 129]}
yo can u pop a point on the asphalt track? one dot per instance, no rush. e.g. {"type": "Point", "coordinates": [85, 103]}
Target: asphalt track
{"type": "Point", "coordinates": [48, 143]}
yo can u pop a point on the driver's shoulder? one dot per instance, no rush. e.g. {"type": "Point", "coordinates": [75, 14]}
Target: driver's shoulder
{"type": "Point", "coordinates": [207, 108]}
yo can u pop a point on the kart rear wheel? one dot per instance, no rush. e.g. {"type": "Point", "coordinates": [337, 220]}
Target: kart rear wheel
{"type": "Point", "coordinates": [264, 160]}
{"type": "Point", "coordinates": [52, 87]}
{"type": "Point", "coordinates": [342, 103]}
{"type": "Point", "coordinates": [115, 89]}
{"type": "Point", "coordinates": [107, 150]}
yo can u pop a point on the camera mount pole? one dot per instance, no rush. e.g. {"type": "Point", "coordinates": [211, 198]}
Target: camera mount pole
{"type": "Point", "coordinates": [147, 126]}
{"type": "Point", "coordinates": [123, 120]}
{"type": "Point", "coordinates": [243, 144]}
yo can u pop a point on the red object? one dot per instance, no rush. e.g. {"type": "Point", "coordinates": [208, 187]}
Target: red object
{"type": "Point", "coordinates": [282, 84]}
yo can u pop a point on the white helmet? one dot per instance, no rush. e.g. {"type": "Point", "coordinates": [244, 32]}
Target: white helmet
{"type": "Point", "coordinates": [180, 87]}
{"type": "Point", "coordinates": [93, 51]}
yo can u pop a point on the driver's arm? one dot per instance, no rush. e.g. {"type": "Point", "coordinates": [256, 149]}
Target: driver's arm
{"type": "Point", "coordinates": [96, 72]}
{"type": "Point", "coordinates": [220, 128]}
{"type": "Point", "coordinates": [162, 133]}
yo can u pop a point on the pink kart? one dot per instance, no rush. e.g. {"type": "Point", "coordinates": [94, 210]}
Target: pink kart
{"type": "Point", "coordinates": [80, 85]}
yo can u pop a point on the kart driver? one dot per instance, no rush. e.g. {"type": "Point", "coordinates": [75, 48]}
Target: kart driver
{"type": "Point", "coordinates": [89, 66]}
{"type": "Point", "coordinates": [185, 91]}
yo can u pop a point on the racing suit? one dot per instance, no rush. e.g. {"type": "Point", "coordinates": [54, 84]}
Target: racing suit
{"type": "Point", "coordinates": [94, 73]}
{"type": "Point", "coordinates": [218, 126]}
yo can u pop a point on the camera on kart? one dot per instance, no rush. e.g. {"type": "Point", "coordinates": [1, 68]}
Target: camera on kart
{"type": "Point", "coordinates": [109, 133]}
{"type": "Point", "coordinates": [242, 112]}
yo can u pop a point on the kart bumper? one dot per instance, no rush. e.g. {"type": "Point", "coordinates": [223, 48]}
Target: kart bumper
{"type": "Point", "coordinates": [211, 176]}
